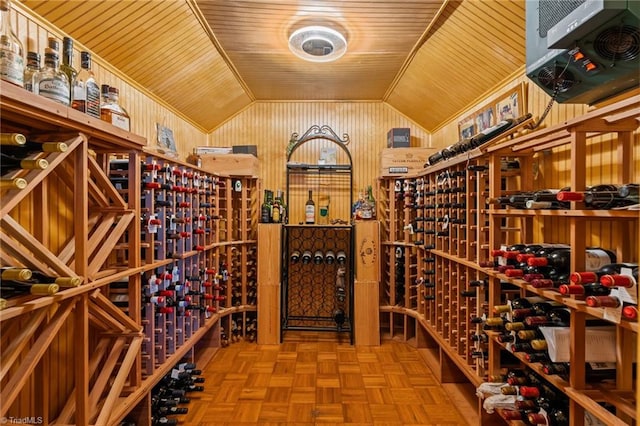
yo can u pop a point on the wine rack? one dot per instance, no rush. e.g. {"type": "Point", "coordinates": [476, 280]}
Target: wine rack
{"type": "Point", "coordinates": [318, 285]}
{"type": "Point", "coordinates": [461, 223]}
{"type": "Point", "coordinates": [164, 253]}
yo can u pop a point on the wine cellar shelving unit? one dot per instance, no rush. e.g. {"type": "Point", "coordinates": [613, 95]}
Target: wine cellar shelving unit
{"type": "Point", "coordinates": [426, 297]}
{"type": "Point", "coordinates": [318, 294]}
{"type": "Point", "coordinates": [166, 253]}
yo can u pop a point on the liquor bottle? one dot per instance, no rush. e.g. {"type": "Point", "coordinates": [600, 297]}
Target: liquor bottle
{"type": "Point", "coordinates": [9, 163]}
{"type": "Point", "coordinates": [31, 70]}
{"type": "Point", "coordinates": [310, 210]}
{"type": "Point", "coordinates": [110, 109]}
{"type": "Point", "coordinates": [52, 83]}
{"type": "Point", "coordinates": [11, 52]}
{"type": "Point", "coordinates": [265, 209]}
{"type": "Point", "coordinates": [86, 91]}
{"type": "Point", "coordinates": [67, 65]}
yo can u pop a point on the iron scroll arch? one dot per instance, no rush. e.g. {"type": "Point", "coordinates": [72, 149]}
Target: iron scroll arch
{"type": "Point", "coordinates": [318, 132]}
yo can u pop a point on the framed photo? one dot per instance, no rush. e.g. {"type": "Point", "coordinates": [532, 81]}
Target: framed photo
{"type": "Point", "coordinates": [467, 127]}
{"type": "Point", "coordinates": [165, 140]}
{"type": "Point", "coordinates": [512, 104]}
{"type": "Point", "coordinates": [485, 119]}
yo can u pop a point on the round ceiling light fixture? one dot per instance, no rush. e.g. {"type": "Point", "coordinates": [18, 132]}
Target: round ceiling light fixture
{"type": "Point", "coordinates": [317, 44]}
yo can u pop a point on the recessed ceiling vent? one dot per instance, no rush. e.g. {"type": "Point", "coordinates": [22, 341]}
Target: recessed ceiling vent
{"type": "Point", "coordinates": [317, 44]}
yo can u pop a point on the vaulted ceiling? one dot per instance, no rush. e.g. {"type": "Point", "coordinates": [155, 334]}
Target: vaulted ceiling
{"type": "Point", "coordinates": [208, 59]}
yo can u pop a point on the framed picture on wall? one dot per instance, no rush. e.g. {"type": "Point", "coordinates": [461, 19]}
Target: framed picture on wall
{"type": "Point", "coordinates": [485, 119]}
{"type": "Point", "coordinates": [512, 104]}
{"type": "Point", "coordinates": [467, 127]}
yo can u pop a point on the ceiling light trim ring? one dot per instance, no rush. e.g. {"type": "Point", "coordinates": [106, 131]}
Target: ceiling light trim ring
{"type": "Point", "coordinates": [307, 35]}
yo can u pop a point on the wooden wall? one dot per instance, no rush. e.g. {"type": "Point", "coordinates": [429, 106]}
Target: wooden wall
{"type": "Point", "coordinates": [269, 125]}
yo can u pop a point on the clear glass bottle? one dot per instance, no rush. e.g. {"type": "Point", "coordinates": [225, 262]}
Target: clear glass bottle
{"type": "Point", "coordinates": [11, 59]}
{"type": "Point", "coordinates": [86, 91]}
{"type": "Point", "coordinates": [51, 82]}
{"type": "Point", "coordinates": [67, 64]}
{"type": "Point", "coordinates": [111, 111]}
{"type": "Point", "coordinates": [31, 71]}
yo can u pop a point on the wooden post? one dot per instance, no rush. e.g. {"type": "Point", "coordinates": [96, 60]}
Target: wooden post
{"type": "Point", "coordinates": [367, 283]}
{"type": "Point", "coordinates": [269, 281]}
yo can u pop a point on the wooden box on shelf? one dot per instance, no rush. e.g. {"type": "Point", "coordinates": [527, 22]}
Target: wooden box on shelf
{"type": "Point", "coordinates": [231, 164]}
{"type": "Point", "coordinates": [403, 161]}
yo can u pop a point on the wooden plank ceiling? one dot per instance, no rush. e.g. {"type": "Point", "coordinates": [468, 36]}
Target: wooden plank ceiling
{"type": "Point", "coordinates": [208, 59]}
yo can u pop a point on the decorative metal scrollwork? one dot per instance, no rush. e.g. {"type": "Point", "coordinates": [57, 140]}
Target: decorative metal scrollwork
{"type": "Point", "coordinates": [315, 132]}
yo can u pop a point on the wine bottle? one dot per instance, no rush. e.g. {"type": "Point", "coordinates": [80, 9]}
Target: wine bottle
{"type": "Point", "coordinates": [306, 257]}
{"type": "Point", "coordinates": [598, 197]}
{"type": "Point", "coordinates": [620, 280]}
{"type": "Point", "coordinates": [10, 289]}
{"type": "Point", "coordinates": [629, 190]}
{"type": "Point", "coordinates": [310, 210]}
{"type": "Point", "coordinates": [265, 209]}
{"type": "Point", "coordinates": [494, 131]}
{"type": "Point", "coordinates": [584, 277]}
{"type": "Point", "coordinates": [341, 257]}
{"type": "Point", "coordinates": [295, 256]}
{"type": "Point", "coordinates": [592, 289]}
{"type": "Point", "coordinates": [38, 277]}
{"type": "Point", "coordinates": [318, 257]}
{"type": "Point", "coordinates": [329, 257]}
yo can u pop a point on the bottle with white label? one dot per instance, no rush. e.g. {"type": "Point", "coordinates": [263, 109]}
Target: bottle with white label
{"type": "Point", "coordinates": [310, 210]}
{"type": "Point", "coordinates": [51, 82]}
{"type": "Point", "coordinates": [11, 60]}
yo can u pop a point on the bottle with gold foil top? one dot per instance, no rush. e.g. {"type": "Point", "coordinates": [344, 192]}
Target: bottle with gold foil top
{"type": "Point", "coordinates": [51, 83]}
{"type": "Point", "coordinates": [86, 91]}
{"type": "Point", "coordinates": [11, 50]}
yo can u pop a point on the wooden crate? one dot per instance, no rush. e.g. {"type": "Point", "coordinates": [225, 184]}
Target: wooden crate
{"type": "Point", "coordinates": [231, 164]}
{"type": "Point", "coordinates": [403, 161]}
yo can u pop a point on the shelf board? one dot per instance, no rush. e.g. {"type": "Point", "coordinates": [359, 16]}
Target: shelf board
{"type": "Point", "coordinates": [585, 214]}
{"type": "Point", "coordinates": [553, 294]}
{"type": "Point", "coordinates": [318, 168]}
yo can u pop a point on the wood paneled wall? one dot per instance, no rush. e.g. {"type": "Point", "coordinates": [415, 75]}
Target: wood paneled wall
{"type": "Point", "coordinates": [143, 107]}
{"type": "Point", "coordinates": [269, 125]}
{"type": "Point", "coordinates": [553, 169]}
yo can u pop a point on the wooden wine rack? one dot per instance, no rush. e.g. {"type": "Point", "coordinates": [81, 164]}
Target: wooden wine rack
{"type": "Point", "coordinates": [88, 215]}
{"type": "Point", "coordinates": [448, 259]}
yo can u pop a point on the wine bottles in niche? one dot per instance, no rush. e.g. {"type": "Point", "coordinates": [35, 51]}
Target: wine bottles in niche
{"type": "Point", "coordinates": [310, 210]}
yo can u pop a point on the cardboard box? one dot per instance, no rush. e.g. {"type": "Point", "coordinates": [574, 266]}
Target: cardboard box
{"type": "Point", "coordinates": [399, 138]}
{"type": "Point", "coordinates": [231, 164]}
{"type": "Point", "coordinates": [403, 161]}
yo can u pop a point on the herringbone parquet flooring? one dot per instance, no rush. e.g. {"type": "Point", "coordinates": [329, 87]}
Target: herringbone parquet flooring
{"type": "Point", "coordinates": [313, 379]}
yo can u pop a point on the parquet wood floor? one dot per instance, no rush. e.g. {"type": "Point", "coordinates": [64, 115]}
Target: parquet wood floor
{"type": "Point", "coordinates": [314, 378]}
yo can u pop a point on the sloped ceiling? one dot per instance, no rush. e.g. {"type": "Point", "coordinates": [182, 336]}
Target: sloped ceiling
{"type": "Point", "coordinates": [208, 59]}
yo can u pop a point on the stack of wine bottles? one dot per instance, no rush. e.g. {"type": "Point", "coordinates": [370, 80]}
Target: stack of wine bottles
{"type": "Point", "coordinates": [15, 282]}
{"type": "Point", "coordinates": [173, 391]}
{"type": "Point", "coordinates": [481, 138]}
{"type": "Point", "coordinates": [599, 197]}
{"type": "Point", "coordinates": [20, 155]}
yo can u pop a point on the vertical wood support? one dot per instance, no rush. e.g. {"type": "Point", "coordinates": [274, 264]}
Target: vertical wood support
{"type": "Point", "coordinates": [135, 281]}
{"type": "Point", "coordinates": [269, 283]}
{"type": "Point", "coordinates": [367, 283]}
{"type": "Point", "coordinates": [81, 261]}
